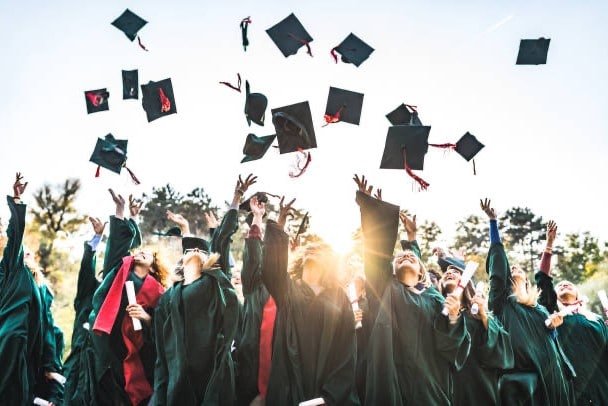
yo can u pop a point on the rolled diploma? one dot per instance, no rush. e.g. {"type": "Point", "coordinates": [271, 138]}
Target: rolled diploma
{"type": "Point", "coordinates": [566, 311]}
{"type": "Point", "coordinates": [131, 298]}
{"type": "Point", "coordinates": [58, 377]}
{"type": "Point", "coordinates": [469, 270]}
{"type": "Point", "coordinates": [41, 402]}
{"type": "Point", "coordinates": [478, 292]}
{"type": "Point", "coordinates": [352, 296]}
{"type": "Point", "coordinates": [603, 300]}
{"type": "Point", "coordinates": [313, 402]}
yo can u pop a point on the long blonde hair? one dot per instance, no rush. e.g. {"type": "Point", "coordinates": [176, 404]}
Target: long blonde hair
{"type": "Point", "coordinates": [527, 296]}
{"type": "Point", "coordinates": [423, 277]}
{"type": "Point", "coordinates": [327, 260]}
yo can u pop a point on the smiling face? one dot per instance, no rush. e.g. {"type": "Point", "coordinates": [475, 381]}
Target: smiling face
{"type": "Point", "coordinates": [143, 258]}
{"type": "Point", "coordinates": [518, 274]}
{"type": "Point", "coordinates": [451, 278]}
{"type": "Point", "coordinates": [566, 291]}
{"type": "Point", "coordinates": [406, 262]}
{"type": "Point", "coordinates": [194, 256]}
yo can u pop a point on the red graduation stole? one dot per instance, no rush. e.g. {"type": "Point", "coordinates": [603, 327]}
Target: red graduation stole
{"type": "Point", "coordinates": [266, 331]}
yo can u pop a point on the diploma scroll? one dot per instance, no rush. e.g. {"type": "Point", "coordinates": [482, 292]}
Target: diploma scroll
{"type": "Point", "coordinates": [566, 311]}
{"type": "Point", "coordinates": [479, 288]}
{"type": "Point", "coordinates": [469, 270]}
{"type": "Point", "coordinates": [313, 402]}
{"type": "Point", "coordinates": [41, 402]}
{"type": "Point", "coordinates": [603, 300]}
{"type": "Point", "coordinates": [352, 296]}
{"type": "Point", "coordinates": [131, 298]}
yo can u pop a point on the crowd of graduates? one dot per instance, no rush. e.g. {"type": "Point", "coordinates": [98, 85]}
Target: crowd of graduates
{"type": "Point", "coordinates": [149, 332]}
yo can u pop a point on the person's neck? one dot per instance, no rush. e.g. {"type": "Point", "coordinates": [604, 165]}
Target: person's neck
{"type": "Point", "coordinates": [141, 271]}
{"type": "Point", "coordinates": [191, 273]}
{"type": "Point", "coordinates": [567, 300]}
{"type": "Point", "coordinates": [410, 279]}
{"type": "Point", "coordinates": [519, 286]}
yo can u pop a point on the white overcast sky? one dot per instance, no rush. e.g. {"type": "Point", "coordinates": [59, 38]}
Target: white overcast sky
{"type": "Point", "coordinates": [544, 127]}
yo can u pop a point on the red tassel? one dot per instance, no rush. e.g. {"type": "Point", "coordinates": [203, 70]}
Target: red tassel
{"type": "Point", "coordinates": [133, 177]}
{"type": "Point", "coordinates": [230, 85]}
{"type": "Point", "coordinates": [421, 182]}
{"type": "Point", "coordinates": [334, 54]}
{"type": "Point", "coordinates": [142, 46]}
{"type": "Point", "coordinates": [329, 119]}
{"type": "Point", "coordinates": [307, 157]}
{"type": "Point", "coordinates": [306, 43]}
{"type": "Point", "coordinates": [165, 103]}
{"type": "Point", "coordinates": [443, 146]}
{"type": "Point", "coordinates": [474, 170]}
{"type": "Point", "coordinates": [98, 171]}
{"type": "Point", "coordinates": [95, 98]}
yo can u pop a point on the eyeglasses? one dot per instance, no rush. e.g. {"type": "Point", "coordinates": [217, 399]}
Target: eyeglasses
{"type": "Point", "coordinates": [189, 250]}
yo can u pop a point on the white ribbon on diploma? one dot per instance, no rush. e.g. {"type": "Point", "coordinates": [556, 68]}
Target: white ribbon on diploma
{"type": "Point", "coordinates": [352, 296]}
{"type": "Point", "coordinates": [131, 298]}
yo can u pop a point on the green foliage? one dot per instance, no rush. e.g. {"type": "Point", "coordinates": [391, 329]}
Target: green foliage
{"type": "Point", "coordinates": [472, 235]}
{"type": "Point", "coordinates": [523, 230]}
{"type": "Point", "coordinates": [580, 258]}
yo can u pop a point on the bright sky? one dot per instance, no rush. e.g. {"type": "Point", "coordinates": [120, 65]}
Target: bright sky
{"type": "Point", "coordinates": [544, 126]}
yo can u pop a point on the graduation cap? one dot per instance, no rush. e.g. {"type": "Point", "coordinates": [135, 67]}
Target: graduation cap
{"type": "Point", "coordinates": [405, 114]}
{"type": "Point", "coordinates": [468, 146]}
{"type": "Point", "coordinates": [303, 226]}
{"type": "Point", "coordinates": [130, 84]}
{"type": "Point", "coordinates": [97, 100]}
{"type": "Point", "coordinates": [445, 262]}
{"type": "Point", "coordinates": [289, 36]}
{"type": "Point", "coordinates": [533, 51]}
{"type": "Point", "coordinates": [405, 148]}
{"type": "Point", "coordinates": [255, 147]}
{"type": "Point", "coordinates": [130, 23]}
{"type": "Point", "coordinates": [195, 242]}
{"type": "Point", "coordinates": [255, 106]}
{"type": "Point", "coordinates": [294, 127]}
{"type": "Point", "coordinates": [353, 50]}
{"type": "Point", "coordinates": [343, 105]}
{"type": "Point", "coordinates": [158, 99]}
{"type": "Point", "coordinates": [171, 232]}
{"type": "Point", "coordinates": [111, 154]}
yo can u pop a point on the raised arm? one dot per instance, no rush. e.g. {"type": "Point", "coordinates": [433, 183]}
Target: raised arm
{"type": "Point", "coordinates": [274, 263]}
{"type": "Point", "coordinates": [411, 229]}
{"type": "Point", "coordinates": [87, 283]}
{"type": "Point", "coordinates": [12, 259]}
{"type": "Point", "coordinates": [251, 274]}
{"type": "Point", "coordinates": [497, 264]}
{"type": "Point", "coordinates": [544, 281]}
{"type": "Point", "coordinates": [121, 238]}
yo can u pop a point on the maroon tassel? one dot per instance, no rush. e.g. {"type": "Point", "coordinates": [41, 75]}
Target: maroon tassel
{"type": "Point", "coordinates": [142, 46]}
{"type": "Point", "coordinates": [444, 146]}
{"type": "Point", "coordinates": [133, 177]}
{"type": "Point", "coordinates": [98, 171]}
{"type": "Point", "coordinates": [95, 98]}
{"type": "Point", "coordinates": [330, 119]}
{"type": "Point", "coordinates": [423, 184]}
{"type": "Point", "coordinates": [165, 103]}
{"type": "Point", "coordinates": [306, 43]}
{"type": "Point", "coordinates": [334, 54]}
{"type": "Point", "coordinates": [230, 85]}
{"type": "Point", "coordinates": [301, 170]}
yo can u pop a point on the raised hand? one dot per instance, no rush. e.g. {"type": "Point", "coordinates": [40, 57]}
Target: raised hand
{"type": "Point", "coordinates": [134, 205]}
{"type": "Point", "coordinates": [18, 186]}
{"type": "Point", "coordinates": [487, 208]}
{"type": "Point", "coordinates": [119, 201]}
{"type": "Point", "coordinates": [409, 223]}
{"type": "Point", "coordinates": [243, 185]}
{"type": "Point", "coordinates": [138, 312]}
{"type": "Point", "coordinates": [439, 252]}
{"type": "Point", "coordinates": [284, 211]}
{"type": "Point", "coordinates": [211, 220]}
{"type": "Point", "coordinates": [362, 185]}
{"type": "Point", "coordinates": [551, 233]}
{"type": "Point", "coordinates": [257, 208]}
{"type": "Point", "coordinates": [378, 194]}
{"type": "Point", "coordinates": [98, 225]}
{"type": "Point", "coordinates": [180, 220]}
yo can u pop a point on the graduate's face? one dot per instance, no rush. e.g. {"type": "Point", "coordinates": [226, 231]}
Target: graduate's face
{"type": "Point", "coordinates": [566, 290]}
{"type": "Point", "coordinates": [451, 278]}
{"type": "Point", "coordinates": [407, 261]}
{"type": "Point", "coordinates": [143, 258]}
{"type": "Point", "coordinates": [194, 256]}
{"type": "Point", "coordinates": [518, 273]}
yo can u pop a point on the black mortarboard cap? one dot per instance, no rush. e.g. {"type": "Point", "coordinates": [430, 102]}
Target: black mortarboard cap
{"type": "Point", "coordinates": [129, 23]}
{"type": "Point", "coordinates": [174, 231]}
{"type": "Point", "coordinates": [533, 51]}
{"type": "Point", "coordinates": [343, 105]}
{"type": "Point", "coordinates": [255, 106]}
{"type": "Point", "coordinates": [353, 50]}
{"type": "Point", "coordinates": [110, 153]}
{"type": "Point", "coordinates": [245, 206]}
{"type": "Point", "coordinates": [444, 262]}
{"type": "Point", "coordinates": [303, 225]}
{"type": "Point", "coordinates": [255, 147]}
{"type": "Point", "coordinates": [158, 99]}
{"type": "Point", "coordinates": [130, 84]}
{"type": "Point", "coordinates": [412, 139]}
{"type": "Point", "coordinates": [289, 35]}
{"type": "Point", "coordinates": [195, 242]}
{"type": "Point", "coordinates": [468, 146]}
{"type": "Point", "coordinates": [404, 115]}
{"type": "Point", "coordinates": [97, 100]}
{"type": "Point", "coordinates": [294, 127]}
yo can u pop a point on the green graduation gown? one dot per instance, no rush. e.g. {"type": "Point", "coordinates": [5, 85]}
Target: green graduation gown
{"type": "Point", "coordinates": [21, 318]}
{"type": "Point", "coordinates": [79, 364]}
{"type": "Point", "coordinates": [541, 371]}
{"type": "Point", "coordinates": [412, 349]}
{"type": "Point", "coordinates": [314, 344]}
{"type": "Point", "coordinates": [585, 343]}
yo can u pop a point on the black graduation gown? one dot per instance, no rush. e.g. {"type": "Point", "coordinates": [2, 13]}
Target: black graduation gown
{"type": "Point", "coordinates": [256, 295]}
{"type": "Point", "coordinates": [541, 372]}
{"type": "Point", "coordinates": [585, 343]}
{"type": "Point", "coordinates": [79, 364]}
{"type": "Point", "coordinates": [412, 349]}
{"type": "Point", "coordinates": [21, 318]}
{"type": "Point", "coordinates": [195, 326]}
{"type": "Point", "coordinates": [314, 344]}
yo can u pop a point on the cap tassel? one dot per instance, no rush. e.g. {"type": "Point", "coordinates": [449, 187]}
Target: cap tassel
{"type": "Point", "coordinates": [142, 46]}
{"type": "Point", "coordinates": [97, 172]}
{"type": "Point", "coordinates": [300, 40]}
{"type": "Point", "coordinates": [165, 103]}
{"type": "Point", "coordinates": [334, 54]}
{"type": "Point", "coordinates": [301, 170]}
{"type": "Point", "coordinates": [244, 25]}
{"type": "Point", "coordinates": [474, 170]}
{"type": "Point", "coordinates": [423, 184]}
{"type": "Point", "coordinates": [133, 177]}
{"type": "Point", "coordinates": [95, 98]}
{"type": "Point", "coordinates": [230, 85]}
{"type": "Point", "coordinates": [330, 119]}
{"type": "Point", "coordinates": [444, 146]}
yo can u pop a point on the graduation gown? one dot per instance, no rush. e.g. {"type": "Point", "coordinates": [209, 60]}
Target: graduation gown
{"type": "Point", "coordinates": [79, 364]}
{"type": "Point", "coordinates": [585, 343]}
{"type": "Point", "coordinates": [314, 344]}
{"type": "Point", "coordinates": [412, 349]}
{"type": "Point", "coordinates": [111, 350]}
{"type": "Point", "coordinates": [195, 325]}
{"type": "Point", "coordinates": [541, 372]}
{"type": "Point", "coordinates": [21, 318]}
